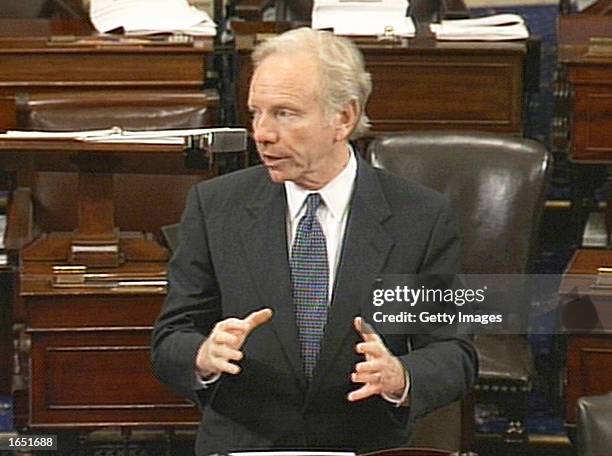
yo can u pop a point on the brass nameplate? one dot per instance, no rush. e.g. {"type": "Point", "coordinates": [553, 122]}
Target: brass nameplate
{"type": "Point", "coordinates": [600, 47]}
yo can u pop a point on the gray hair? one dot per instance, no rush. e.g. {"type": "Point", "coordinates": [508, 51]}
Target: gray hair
{"type": "Point", "coordinates": [342, 69]}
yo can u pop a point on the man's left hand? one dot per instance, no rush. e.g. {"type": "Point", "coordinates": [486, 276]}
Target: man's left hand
{"type": "Point", "coordinates": [381, 372]}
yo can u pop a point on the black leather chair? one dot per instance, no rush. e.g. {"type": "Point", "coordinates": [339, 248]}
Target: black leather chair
{"type": "Point", "coordinates": [594, 426]}
{"type": "Point", "coordinates": [497, 184]}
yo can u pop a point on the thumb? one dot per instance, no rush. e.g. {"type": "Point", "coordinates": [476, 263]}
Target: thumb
{"type": "Point", "coordinates": [258, 318]}
{"type": "Point", "coordinates": [364, 329]}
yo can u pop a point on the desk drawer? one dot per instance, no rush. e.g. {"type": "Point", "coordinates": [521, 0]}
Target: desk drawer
{"type": "Point", "coordinates": [81, 378]}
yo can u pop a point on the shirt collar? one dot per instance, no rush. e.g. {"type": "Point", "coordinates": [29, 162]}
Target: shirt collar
{"type": "Point", "coordinates": [336, 194]}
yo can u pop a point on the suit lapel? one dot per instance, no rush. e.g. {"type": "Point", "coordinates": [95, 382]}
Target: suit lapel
{"type": "Point", "coordinates": [365, 249]}
{"type": "Point", "coordinates": [264, 236]}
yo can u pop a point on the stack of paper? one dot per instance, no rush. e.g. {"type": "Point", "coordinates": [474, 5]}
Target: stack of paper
{"type": "Point", "coordinates": [363, 17]}
{"type": "Point", "coordinates": [498, 27]}
{"type": "Point", "coordinates": [118, 135]}
{"type": "Point", "coordinates": [144, 17]}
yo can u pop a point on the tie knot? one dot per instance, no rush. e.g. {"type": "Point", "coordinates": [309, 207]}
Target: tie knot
{"type": "Point", "coordinates": [312, 204]}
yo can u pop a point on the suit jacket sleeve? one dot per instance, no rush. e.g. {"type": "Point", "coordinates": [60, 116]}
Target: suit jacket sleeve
{"type": "Point", "coordinates": [442, 365]}
{"type": "Point", "coordinates": [192, 305]}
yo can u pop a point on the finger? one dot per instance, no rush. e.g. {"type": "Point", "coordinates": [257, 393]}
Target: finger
{"type": "Point", "coordinates": [233, 325]}
{"type": "Point", "coordinates": [367, 390]}
{"type": "Point", "coordinates": [369, 366]}
{"type": "Point", "coordinates": [223, 366]}
{"type": "Point", "coordinates": [226, 353]}
{"type": "Point", "coordinates": [374, 349]}
{"type": "Point", "coordinates": [366, 377]}
{"type": "Point", "coordinates": [224, 337]}
{"type": "Point", "coordinates": [258, 318]}
{"type": "Point", "coordinates": [366, 331]}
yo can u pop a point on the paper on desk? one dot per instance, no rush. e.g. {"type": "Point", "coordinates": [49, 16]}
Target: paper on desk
{"type": "Point", "coordinates": [150, 16]}
{"type": "Point", "coordinates": [366, 17]}
{"type": "Point", "coordinates": [498, 27]}
{"type": "Point", "coordinates": [34, 134]}
{"type": "Point", "coordinates": [176, 136]}
{"type": "Point", "coordinates": [119, 135]}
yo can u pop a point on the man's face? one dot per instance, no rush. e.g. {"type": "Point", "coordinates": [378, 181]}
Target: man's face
{"type": "Point", "coordinates": [296, 141]}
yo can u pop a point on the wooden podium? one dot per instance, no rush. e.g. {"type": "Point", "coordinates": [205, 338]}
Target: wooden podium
{"type": "Point", "coordinates": [87, 298]}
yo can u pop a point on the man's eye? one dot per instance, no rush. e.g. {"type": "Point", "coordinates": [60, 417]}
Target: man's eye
{"type": "Point", "coordinates": [285, 113]}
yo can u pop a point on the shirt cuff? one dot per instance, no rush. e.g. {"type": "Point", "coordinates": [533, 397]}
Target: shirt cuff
{"type": "Point", "coordinates": [401, 401]}
{"type": "Point", "coordinates": [201, 383]}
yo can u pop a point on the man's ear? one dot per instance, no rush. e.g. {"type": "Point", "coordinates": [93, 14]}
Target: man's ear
{"type": "Point", "coordinates": [346, 121]}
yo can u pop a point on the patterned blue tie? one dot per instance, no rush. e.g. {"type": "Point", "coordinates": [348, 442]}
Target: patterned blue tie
{"type": "Point", "coordinates": [309, 280]}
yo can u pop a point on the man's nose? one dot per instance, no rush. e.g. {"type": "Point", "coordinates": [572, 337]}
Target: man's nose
{"type": "Point", "coordinates": [264, 130]}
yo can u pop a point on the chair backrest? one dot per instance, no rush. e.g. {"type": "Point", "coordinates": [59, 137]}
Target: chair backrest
{"type": "Point", "coordinates": [496, 183]}
{"type": "Point", "coordinates": [593, 429]}
{"type": "Point", "coordinates": [409, 451]}
{"type": "Point", "coordinates": [129, 109]}
{"type": "Point", "coordinates": [142, 202]}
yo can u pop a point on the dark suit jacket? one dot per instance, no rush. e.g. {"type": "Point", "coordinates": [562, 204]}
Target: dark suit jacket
{"type": "Point", "coordinates": [233, 260]}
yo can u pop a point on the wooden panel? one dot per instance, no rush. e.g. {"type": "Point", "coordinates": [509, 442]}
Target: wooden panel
{"type": "Point", "coordinates": [94, 310]}
{"type": "Point", "coordinates": [592, 122]}
{"type": "Point", "coordinates": [96, 377]}
{"type": "Point", "coordinates": [28, 70]}
{"type": "Point", "coordinates": [589, 370]}
{"type": "Point", "coordinates": [8, 116]}
{"type": "Point", "coordinates": [445, 93]}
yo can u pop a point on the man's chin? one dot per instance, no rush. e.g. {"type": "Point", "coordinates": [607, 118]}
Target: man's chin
{"type": "Point", "coordinates": [277, 176]}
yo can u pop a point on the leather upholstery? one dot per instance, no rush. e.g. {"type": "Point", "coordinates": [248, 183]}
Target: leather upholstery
{"type": "Point", "coordinates": [593, 427]}
{"type": "Point", "coordinates": [131, 110]}
{"type": "Point", "coordinates": [497, 185]}
{"type": "Point", "coordinates": [143, 202]}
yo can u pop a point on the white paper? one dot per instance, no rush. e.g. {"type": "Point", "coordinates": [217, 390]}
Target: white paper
{"type": "Point", "coordinates": [498, 27]}
{"type": "Point", "coordinates": [117, 135]}
{"type": "Point", "coordinates": [150, 16]}
{"type": "Point", "coordinates": [493, 20]}
{"type": "Point", "coordinates": [33, 134]}
{"type": "Point", "coordinates": [370, 17]}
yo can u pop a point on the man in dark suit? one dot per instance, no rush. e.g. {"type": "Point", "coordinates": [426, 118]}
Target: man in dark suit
{"type": "Point", "coordinates": [262, 323]}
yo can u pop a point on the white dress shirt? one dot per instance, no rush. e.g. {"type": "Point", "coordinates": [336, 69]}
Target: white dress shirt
{"type": "Point", "coordinates": [332, 213]}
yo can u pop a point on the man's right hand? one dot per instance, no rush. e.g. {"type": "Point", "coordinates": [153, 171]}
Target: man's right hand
{"type": "Point", "coordinates": [224, 342]}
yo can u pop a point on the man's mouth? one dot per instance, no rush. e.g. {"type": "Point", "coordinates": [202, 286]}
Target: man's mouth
{"type": "Point", "coordinates": [272, 160]}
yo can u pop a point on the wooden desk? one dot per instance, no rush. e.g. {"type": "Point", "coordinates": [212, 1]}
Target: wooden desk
{"type": "Point", "coordinates": [589, 354]}
{"type": "Point", "coordinates": [424, 84]}
{"type": "Point", "coordinates": [96, 229]}
{"type": "Point", "coordinates": [590, 77]}
{"type": "Point", "coordinates": [89, 354]}
{"type": "Point", "coordinates": [60, 55]}
{"type": "Point", "coordinates": [84, 350]}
